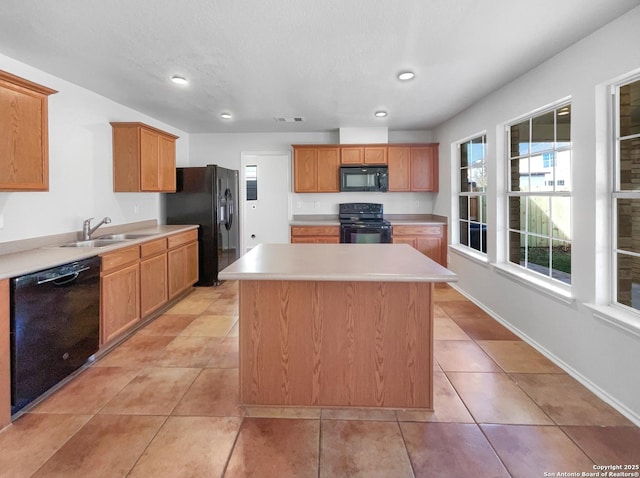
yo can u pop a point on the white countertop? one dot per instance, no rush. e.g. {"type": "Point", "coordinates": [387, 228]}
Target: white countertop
{"type": "Point", "coordinates": [337, 262]}
{"type": "Point", "coordinates": [25, 262]}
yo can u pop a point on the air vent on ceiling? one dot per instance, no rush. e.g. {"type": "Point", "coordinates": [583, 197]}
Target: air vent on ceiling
{"type": "Point", "coordinates": [295, 119]}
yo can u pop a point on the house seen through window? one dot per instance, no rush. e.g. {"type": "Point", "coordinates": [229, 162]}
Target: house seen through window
{"type": "Point", "coordinates": [472, 195]}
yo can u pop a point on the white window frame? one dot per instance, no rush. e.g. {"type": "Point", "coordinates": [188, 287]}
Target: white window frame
{"type": "Point", "coordinates": [524, 273]}
{"type": "Point", "coordinates": [481, 195]}
{"type": "Point", "coordinates": [618, 193]}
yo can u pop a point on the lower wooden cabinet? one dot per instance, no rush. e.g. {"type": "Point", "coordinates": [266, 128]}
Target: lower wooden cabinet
{"type": "Point", "coordinates": [431, 240]}
{"type": "Point", "coordinates": [136, 281]}
{"type": "Point", "coordinates": [315, 234]}
{"type": "Point", "coordinates": [119, 301]}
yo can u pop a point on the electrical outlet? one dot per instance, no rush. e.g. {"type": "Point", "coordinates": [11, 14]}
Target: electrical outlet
{"type": "Point", "coordinates": [1, 221]}
{"type": "Point", "coordinates": [316, 205]}
{"type": "Point", "coordinates": [136, 209]}
{"type": "Point", "coordinates": [417, 204]}
{"type": "Point", "coordinates": [299, 204]}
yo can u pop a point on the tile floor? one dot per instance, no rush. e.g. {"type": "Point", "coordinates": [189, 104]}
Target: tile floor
{"type": "Point", "coordinates": [165, 404]}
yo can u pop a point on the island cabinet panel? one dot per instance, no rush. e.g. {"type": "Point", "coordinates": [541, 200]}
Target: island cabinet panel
{"type": "Point", "coordinates": [334, 343]}
{"type": "Point", "coordinates": [315, 234]}
{"type": "Point", "coordinates": [5, 367]}
{"type": "Point", "coordinates": [24, 146]}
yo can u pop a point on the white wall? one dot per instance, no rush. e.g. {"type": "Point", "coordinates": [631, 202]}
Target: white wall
{"type": "Point", "coordinates": [601, 355]}
{"type": "Point", "coordinates": [80, 165]}
{"type": "Point", "coordinates": [226, 149]}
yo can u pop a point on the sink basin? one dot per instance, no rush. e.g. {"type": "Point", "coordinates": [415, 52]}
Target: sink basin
{"type": "Point", "coordinates": [122, 237]}
{"type": "Point", "coordinates": [93, 243]}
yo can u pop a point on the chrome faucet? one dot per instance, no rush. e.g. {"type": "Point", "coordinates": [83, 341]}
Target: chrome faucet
{"type": "Point", "coordinates": [87, 230]}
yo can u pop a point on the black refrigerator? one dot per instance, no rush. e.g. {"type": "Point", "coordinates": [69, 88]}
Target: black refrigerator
{"type": "Point", "coordinates": [208, 196]}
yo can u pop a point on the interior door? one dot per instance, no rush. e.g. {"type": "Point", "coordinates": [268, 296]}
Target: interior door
{"type": "Point", "coordinates": [266, 218]}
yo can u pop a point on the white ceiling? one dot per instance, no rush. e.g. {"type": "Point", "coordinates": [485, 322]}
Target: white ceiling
{"type": "Point", "coordinates": [332, 62]}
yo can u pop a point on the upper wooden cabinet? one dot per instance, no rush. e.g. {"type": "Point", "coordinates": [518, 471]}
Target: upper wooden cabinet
{"type": "Point", "coordinates": [363, 154]}
{"type": "Point", "coordinates": [316, 169]}
{"type": "Point", "coordinates": [144, 158]}
{"type": "Point", "coordinates": [24, 143]}
{"type": "Point", "coordinates": [413, 167]}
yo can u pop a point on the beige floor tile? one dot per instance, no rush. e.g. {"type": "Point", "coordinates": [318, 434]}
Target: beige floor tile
{"type": "Point", "coordinates": [138, 351]}
{"type": "Point", "coordinates": [358, 414]}
{"type": "Point", "coordinates": [530, 451]}
{"type": "Point", "coordinates": [483, 329]}
{"type": "Point", "coordinates": [445, 328]}
{"type": "Point", "coordinates": [568, 402]}
{"type": "Point", "coordinates": [439, 313]}
{"type": "Point", "coordinates": [107, 446]}
{"type": "Point", "coordinates": [366, 449]}
{"type": "Point", "coordinates": [32, 439]}
{"type": "Point", "coordinates": [210, 326]}
{"type": "Point", "coordinates": [235, 331]}
{"type": "Point", "coordinates": [189, 447]}
{"type": "Point", "coordinates": [283, 412]}
{"type": "Point", "coordinates": [450, 450]}
{"type": "Point", "coordinates": [215, 393]}
{"type": "Point", "coordinates": [462, 356]}
{"type": "Point", "coordinates": [155, 391]}
{"type": "Point", "coordinates": [275, 448]}
{"type": "Point", "coordinates": [167, 324]}
{"type": "Point", "coordinates": [494, 398]}
{"type": "Point", "coordinates": [607, 445]}
{"type": "Point", "coordinates": [225, 354]}
{"type": "Point", "coordinates": [463, 309]}
{"type": "Point", "coordinates": [187, 352]}
{"type": "Point", "coordinates": [192, 306]}
{"type": "Point", "coordinates": [518, 356]}
{"type": "Point", "coordinates": [447, 293]}
{"type": "Point", "coordinates": [222, 306]}
{"type": "Point", "coordinates": [89, 391]}
{"type": "Point", "coordinates": [447, 405]}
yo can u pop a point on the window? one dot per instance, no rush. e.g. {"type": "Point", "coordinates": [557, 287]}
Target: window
{"type": "Point", "coordinates": [473, 194]}
{"type": "Point", "coordinates": [539, 193]}
{"type": "Point", "coordinates": [251, 176]}
{"type": "Point", "coordinates": [626, 195]}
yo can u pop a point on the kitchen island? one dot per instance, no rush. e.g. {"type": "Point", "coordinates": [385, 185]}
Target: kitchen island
{"type": "Point", "coordinates": [336, 325]}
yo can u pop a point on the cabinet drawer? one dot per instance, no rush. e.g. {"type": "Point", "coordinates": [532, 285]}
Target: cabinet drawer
{"type": "Point", "coordinates": [417, 231]}
{"type": "Point", "coordinates": [315, 230]}
{"type": "Point", "coordinates": [182, 238]}
{"type": "Point", "coordinates": [153, 247]}
{"type": "Point", "coordinates": [113, 260]}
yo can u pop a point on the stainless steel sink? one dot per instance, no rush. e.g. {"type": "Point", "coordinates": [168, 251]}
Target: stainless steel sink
{"type": "Point", "coordinates": [93, 243]}
{"type": "Point", "coordinates": [122, 237]}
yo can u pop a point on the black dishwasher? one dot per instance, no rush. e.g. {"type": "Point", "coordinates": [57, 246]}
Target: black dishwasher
{"type": "Point", "coordinates": [55, 323]}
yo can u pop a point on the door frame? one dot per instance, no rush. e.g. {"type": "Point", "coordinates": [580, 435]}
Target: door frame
{"type": "Point", "coordinates": [243, 190]}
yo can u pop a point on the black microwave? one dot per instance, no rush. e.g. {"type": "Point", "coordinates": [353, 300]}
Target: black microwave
{"type": "Point", "coordinates": [364, 178]}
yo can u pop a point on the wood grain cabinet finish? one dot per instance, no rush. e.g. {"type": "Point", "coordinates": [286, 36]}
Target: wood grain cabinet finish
{"type": "Point", "coordinates": [363, 154]}
{"type": "Point", "coordinates": [154, 292]}
{"type": "Point", "coordinates": [431, 240]}
{"type": "Point", "coordinates": [144, 158]}
{"type": "Point", "coordinates": [5, 357]}
{"type": "Point", "coordinates": [315, 234]}
{"type": "Point", "coordinates": [316, 169]}
{"type": "Point", "coordinates": [119, 293]}
{"type": "Point", "coordinates": [182, 261]}
{"type": "Point", "coordinates": [24, 143]}
{"type": "Point", "coordinates": [413, 167]}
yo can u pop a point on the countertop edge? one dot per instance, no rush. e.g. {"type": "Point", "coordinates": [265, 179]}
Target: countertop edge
{"type": "Point", "coordinates": [336, 278]}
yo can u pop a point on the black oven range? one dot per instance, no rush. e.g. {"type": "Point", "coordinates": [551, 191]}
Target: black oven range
{"type": "Point", "coordinates": [363, 223]}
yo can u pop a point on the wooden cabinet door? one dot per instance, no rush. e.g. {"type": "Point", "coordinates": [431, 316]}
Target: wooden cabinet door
{"type": "Point", "coordinates": [153, 284]}
{"type": "Point", "coordinates": [375, 155]}
{"type": "Point", "coordinates": [305, 170]}
{"type": "Point", "coordinates": [351, 155]}
{"type": "Point", "coordinates": [405, 240]}
{"type": "Point", "coordinates": [328, 167]}
{"type": "Point", "coordinates": [424, 168]}
{"type": "Point", "coordinates": [399, 168]}
{"type": "Point", "coordinates": [24, 147]}
{"type": "Point", "coordinates": [191, 257]}
{"type": "Point", "coordinates": [431, 247]}
{"type": "Point", "coordinates": [167, 163]}
{"type": "Point", "coordinates": [119, 302]}
{"type": "Point", "coordinates": [182, 268]}
{"type": "Point", "coordinates": [149, 160]}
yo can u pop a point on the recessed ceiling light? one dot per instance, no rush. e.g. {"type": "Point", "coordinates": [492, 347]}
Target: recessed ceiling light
{"type": "Point", "coordinates": [225, 115]}
{"type": "Point", "coordinates": [406, 75]}
{"type": "Point", "coordinates": [381, 114]}
{"type": "Point", "coordinates": [179, 80]}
